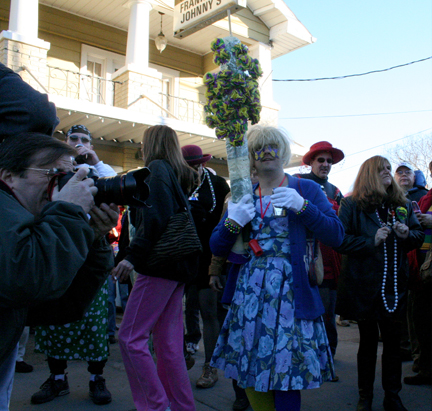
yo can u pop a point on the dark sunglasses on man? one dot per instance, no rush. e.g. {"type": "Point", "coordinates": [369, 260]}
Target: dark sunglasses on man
{"type": "Point", "coordinates": [323, 160]}
{"type": "Point", "coordinates": [83, 139]}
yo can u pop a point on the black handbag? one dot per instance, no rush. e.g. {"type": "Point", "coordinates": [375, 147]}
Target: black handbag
{"type": "Point", "coordinates": [179, 246]}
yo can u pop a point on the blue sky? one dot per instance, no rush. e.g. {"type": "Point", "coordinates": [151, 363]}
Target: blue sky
{"type": "Point", "coordinates": [356, 37]}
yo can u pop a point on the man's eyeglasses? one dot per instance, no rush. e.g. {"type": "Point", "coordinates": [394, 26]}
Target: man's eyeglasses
{"type": "Point", "coordinates": [49, 172]}
{"type": "Point", "coordinates": [406, 172]}
{"type": "Point", "coordinates": [323, 160]}
{"type": "Point", "coordinates": [76, 138]}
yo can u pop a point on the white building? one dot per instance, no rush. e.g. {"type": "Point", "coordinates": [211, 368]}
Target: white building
{"type": "Point", "coordinates": [99, 64]}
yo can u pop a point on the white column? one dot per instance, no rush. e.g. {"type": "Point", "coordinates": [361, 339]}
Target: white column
{"type": "Point", "coordinates": [24, 18]}
{"type": "Point", "coordinates": [24, 23]}
{"type": "Point", "coordinates": [262, 52]}
{"type": "Point", "coordinates": [137, 51]}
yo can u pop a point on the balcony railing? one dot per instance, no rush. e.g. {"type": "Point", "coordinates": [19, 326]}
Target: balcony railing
{"type": "Point", "coordinates": [80, 86]}
{"type": "Point", "coordinates": [185, 109]}
{"type": "Point", "coordinates": [96, 89]}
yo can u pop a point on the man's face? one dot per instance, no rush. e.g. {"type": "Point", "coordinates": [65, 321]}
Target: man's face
{"type": "Point", "coordinates": [321, 164]}
{"type": "Point", "coordinates": [79, 138]}
{"type": "Point", "coordinates": [31, 190]}
{"type": "Point", "coordinates": [405, 178]}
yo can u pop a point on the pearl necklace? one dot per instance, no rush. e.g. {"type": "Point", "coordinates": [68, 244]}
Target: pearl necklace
{"type": "Point", "coordinates": [390, 310]}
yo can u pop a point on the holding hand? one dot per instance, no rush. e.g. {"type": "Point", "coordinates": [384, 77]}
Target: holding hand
{"type": "Point", "coordinates": [103, 219]}
{"type": "Point", "coordinates": [79, 190]}
{"type": "Point", "coordinates": [288, 198]}
{"type": "Point", "coordinates": [425, 220]}
{"type": "Point", "coordinates": [90, 157]}
{"type": "Point", "coordinates": [401, 230]}
{"type": "Point", "coordinates": [243, 211]}
{"type": "Point", "coordinates": [381, 235]}
{"type": "Point", "coordinates": [215, 283]}
{"type": "Point", "coordinates": [122, 271]}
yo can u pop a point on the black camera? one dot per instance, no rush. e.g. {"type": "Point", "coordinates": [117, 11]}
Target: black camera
{"type": "Point", "coordinates": [124, 189]}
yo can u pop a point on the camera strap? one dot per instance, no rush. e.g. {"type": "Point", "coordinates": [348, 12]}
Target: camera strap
{"type": "Point", "coordinates": [53, 183]}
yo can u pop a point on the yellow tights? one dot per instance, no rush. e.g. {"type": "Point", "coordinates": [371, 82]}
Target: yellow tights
{"type": "Point", "coordinates": [261, 401]}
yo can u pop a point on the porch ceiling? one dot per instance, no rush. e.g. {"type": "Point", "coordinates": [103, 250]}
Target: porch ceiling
{"type": "Point", "coordinates": [126, 126]}
{"type": "Point", "coordinates": [118, 125]}
{"type": "Point", "coordinates": [285, 30]}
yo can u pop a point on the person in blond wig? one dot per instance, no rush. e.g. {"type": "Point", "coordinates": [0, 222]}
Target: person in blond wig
{"type": "Point", "coordinates": [380, 228]}
{"type": "Point", "coordinates": [155, 304]}
{"type": "Point", "coordinates": [273, 341]}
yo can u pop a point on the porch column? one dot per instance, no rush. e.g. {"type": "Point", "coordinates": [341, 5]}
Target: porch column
{"type": "Point", "coordinates": [139, 86]}
{"type": "Point", "coordinates": [24, 18]}
{"type": "Point", "coordinates": [270, 109]}
{"type": "Point", "coordinates": [20, 47]}
{"type": "Point", "coordinates": [137, 51]}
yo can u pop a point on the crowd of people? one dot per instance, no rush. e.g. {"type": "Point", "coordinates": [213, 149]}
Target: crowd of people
{"type": "Point", "coordinates": [269, 323]}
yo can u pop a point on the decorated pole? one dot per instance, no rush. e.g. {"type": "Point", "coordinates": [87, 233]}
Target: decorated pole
{"type": "Point", "coordinates": [233, 99]}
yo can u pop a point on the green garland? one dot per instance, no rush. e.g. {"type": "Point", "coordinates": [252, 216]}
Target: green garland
{"type": "Point", "coordinates": [233, 95]}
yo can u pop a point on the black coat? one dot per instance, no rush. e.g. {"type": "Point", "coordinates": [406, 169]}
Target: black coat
{"type": "Point", "coordinates": [359, 288]}
{"type": "Point", "coordinates": [22, 108]}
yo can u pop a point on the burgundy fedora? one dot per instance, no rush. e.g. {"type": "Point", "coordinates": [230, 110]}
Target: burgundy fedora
{"type": "Point", "coordinates": [316, 148]}
{"type": "Point", "coordinates": [194, 155]}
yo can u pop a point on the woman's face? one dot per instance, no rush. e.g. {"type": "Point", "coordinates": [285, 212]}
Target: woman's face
{"type": "Point", "coordinates": [385, 175]}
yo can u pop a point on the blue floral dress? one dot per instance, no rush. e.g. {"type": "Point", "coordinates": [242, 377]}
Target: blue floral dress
{"type": "Point", "coordinates": [261, 344]}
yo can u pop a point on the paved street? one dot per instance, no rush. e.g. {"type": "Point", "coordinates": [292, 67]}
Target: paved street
{"type": "Point", "coordinates": [340, 396]}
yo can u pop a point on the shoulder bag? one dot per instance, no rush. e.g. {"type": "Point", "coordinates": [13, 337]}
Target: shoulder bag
{"type": "Point", "coordinates": [179, 247]}
{"type": "Point", "coordinates": [316, 264]}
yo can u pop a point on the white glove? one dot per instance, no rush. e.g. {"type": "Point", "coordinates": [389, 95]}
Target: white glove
{"type": "Point", "coordinates": [288, 198]}
{"type": "Point", "coordinates": [243, 211]}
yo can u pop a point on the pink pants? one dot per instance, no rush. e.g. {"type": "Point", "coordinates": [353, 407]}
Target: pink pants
{"type": "Point", "coordinates": [155, 305]}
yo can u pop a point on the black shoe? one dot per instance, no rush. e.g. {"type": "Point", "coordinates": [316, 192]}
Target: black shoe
{"type": "Point", "coordinates": [98, 391]}
{"type": "Point", "coordinates": [393, 403]}
{"type": "Point", "coordinates": [240, 404]}
{"type": "Point", "coordinates": [112, 339]}
{"type": "Point", "coordinates": [21, 366]}
{"type": "Point", "coordinates": [190, 361]}
{"type": "Point", "coordinates": [364, 404]}
{"type": "Point", "coordinates": [421, 378]}
{"type": "Point", "coordinates": [50, 389]}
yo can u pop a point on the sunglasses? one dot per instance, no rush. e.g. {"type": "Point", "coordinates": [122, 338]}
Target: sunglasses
{"type": "Point", "coordinates": [323, 160]}
{"type": "Point", "coordinates": [76, 138]}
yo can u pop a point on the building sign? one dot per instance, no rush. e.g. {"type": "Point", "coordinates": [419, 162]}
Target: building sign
{"type": "Point", "coordinates": [193, 15]}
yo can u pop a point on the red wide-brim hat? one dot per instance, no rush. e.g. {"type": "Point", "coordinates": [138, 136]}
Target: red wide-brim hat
{"type": "Point", "coordinates": [194, 155]}
{"type": "Point", "coordinates": [316, 148]}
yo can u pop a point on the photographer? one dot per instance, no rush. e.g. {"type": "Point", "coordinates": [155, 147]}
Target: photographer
{"type": "Point", "coordinates": [48, 246]}
{"type": "Point", "coordinates": [73, 341]}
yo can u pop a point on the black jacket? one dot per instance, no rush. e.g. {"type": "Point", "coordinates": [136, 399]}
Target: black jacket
{"type": "Point", "coordinates": [39, 259]}
{"type": "Point", "coordinates": [207, 219]}
{"type": "Point", "coordinates": [359, 288]}
{"type": "Point", "coordinates": [22, 108]}
{"type": "Point", "coordinates": [151, 222]}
